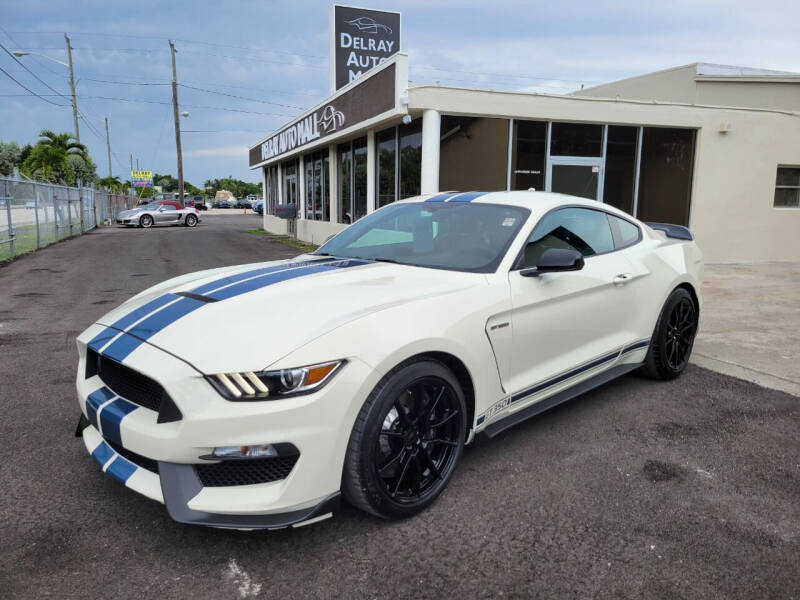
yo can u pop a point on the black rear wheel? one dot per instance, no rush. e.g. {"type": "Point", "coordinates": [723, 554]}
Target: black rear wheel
{"type": "Point", "coordinates": [406, 441]}
{"type": "Point", "coordinates": [673, 338]}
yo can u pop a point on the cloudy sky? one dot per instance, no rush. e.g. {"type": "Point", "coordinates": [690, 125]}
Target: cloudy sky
{"type": "Point", "coordinates": [248, 67]}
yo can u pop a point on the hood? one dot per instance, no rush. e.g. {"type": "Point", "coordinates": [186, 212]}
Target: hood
{"type": "Point", "coordinates": [247, 317]}
{"type": "Point", "coordinates": [132, 211]}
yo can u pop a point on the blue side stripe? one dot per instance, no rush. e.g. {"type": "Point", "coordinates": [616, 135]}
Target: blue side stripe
{"type": "Point", "coordinates": [213, 285]}
{"type": "Point", "coordinates": [637, 346]}
{"type": "Point", "coordinates": [442, 197]}
{"type": "Point", "coordinates": [272, 278]}
{"type": "Point", "coordinates": [94, 401]}
{"type": "Point", "coordinates": [467, 197]}
{"type": "Point", "coordinates": [122, 469]}
{"type": "Point", "coordinates": [102, 453]}
{"type": "Point", "coordinates": [111, 418]}
{"type": "Point", "coordinates": [564, 376]}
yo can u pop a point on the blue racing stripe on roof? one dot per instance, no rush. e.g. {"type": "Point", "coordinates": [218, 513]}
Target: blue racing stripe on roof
{"type": "Point", "coordinates": [111, 418]}
{"type": "Point", "coordinates": [121, 469]}
{"type": "Point", "coordinates": [218, 283]}
{"type": "Point", "coordinates": [441, 197]}
{"type": "Point", "coordinates": [272, 278]}
{"type": "Point", "coordinates": [467, 196]}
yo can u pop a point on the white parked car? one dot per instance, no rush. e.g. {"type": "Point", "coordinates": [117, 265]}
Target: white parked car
{"type": "Point", "coordinates": [159, 213]}
{"type": "Point", "coordinates": [369, 364]}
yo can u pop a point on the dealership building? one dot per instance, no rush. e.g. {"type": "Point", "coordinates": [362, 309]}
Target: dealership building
{"type": "Point", "coordinates": [713, 147]}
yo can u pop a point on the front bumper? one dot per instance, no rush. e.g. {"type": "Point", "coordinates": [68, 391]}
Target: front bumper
{"type": "Point", "coordinates": [317, 425]}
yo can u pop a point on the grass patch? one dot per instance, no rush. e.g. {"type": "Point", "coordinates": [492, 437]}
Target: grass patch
{"type": "Point", "coordinates": [284, 239]}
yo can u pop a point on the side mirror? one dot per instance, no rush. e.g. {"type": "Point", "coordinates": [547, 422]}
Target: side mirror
{"type": "Point", "coordinates": [555, 260]}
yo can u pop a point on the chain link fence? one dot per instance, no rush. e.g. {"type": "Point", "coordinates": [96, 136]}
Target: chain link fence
{"type": "Point", "coordinates": [34, 214]}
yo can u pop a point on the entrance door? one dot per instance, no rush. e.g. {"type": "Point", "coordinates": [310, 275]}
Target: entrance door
{"type": "Point", "coordinates": [576, 176]}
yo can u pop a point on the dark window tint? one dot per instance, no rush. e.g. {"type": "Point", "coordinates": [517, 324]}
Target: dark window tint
{"type": "Point", "coordinates": [528, 155]}
{"type": "Point", "coordinates": [345, 177]}
{"type": "Point", "coordinates": [410, 158]}
{"type": "Point", "coordinates": [625, 232]}
{"type": "Point", "coordinates": [581, 229]}
{"type": "Point", "coordinates": [359, 178]}
{"type": "Point", "coordinates": [620, 167]}
{"type": "Point", "coordinates": [665, 175]}
{"type": "Point", "coordinates": [787, 187]}
{"type": "Point", "coordinates": [386, 143]}
{"type": "Point", "coordinates": [576, 139]}
{"type": "Point", "coordinates": [473, 153]}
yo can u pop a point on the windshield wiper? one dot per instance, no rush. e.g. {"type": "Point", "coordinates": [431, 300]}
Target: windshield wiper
{"type": "Point", "coordinates": [387, 260]}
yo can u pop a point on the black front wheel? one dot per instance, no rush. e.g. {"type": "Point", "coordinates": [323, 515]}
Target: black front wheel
{"type": "Point", "coordinates": [673, 338]}
{"type": "Point", "coordinates": [406, 441]}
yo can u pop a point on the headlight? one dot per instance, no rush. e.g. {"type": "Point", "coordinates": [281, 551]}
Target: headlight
{"type": "Point", "coordinates": [273, 385]}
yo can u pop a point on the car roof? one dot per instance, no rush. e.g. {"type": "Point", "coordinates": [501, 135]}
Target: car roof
{"type": "Point", "coordinates": [538, 202]}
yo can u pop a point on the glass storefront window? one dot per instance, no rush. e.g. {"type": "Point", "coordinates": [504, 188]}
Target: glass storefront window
{"type": "Point", "coordinates": [528, 154]}
{"type": "Point", "coordinates": [386, 159]}
{"type": "Point", "coordinates": [352, 171]}
{"type": "Point", "coordinates": [473, 153]}
{"type": "Point", "coordinates": [576, 139]}
{"type": "Point", "coordinates": [620, 171]}
{"type": "Point", "coordinates": [290, 174]}
{"type": "Point", "coordinates": [271, 198]}
{"type": "Point", "coordinates": [344, 158]}
{"type": "Point", "coordinates": [665, 175]}
{"type": "Point", "coordinates": [317, 179]}
{"type": "Point", "coordinates": [409, 180]}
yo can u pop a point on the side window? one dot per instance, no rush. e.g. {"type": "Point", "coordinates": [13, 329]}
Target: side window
{"type": "Point", "coordinates": [581, 229]}
{"type": "Point", "coordinates": [625, 232]}
{"type": "Point", "coordinates": [168, 207]}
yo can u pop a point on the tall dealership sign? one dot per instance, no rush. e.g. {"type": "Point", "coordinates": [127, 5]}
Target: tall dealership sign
{"type": "Point", "coordinates": [360, 39]}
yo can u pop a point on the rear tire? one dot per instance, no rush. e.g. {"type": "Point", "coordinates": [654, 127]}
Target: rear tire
{"type": "Point", "coordinates": [673, 337]}
{"type": "Point", "coordinates": [190, 221]}
{"type": "Point", "coordinates": [406, 441]}
{"type": "Point", "coordinates": [146, 221]}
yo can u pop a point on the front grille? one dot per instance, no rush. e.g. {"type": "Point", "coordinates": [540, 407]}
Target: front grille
{"type": "Point", "coordinates": [246, 472]}
{"type": "Point", "coordinates": [137, 459]}
{"type": "Point", "coordinates": [126, 382]}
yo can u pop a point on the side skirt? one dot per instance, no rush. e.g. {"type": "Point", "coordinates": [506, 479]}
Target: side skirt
{"type": "Point", "coordinates": [501, 425]}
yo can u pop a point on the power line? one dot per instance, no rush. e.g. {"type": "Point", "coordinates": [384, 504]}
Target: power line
{"type": "Point", "coordinates": [240, 97]}
{"type": "Point", "coordinates": [24, 66]}
{"type": "Point", "coordinates": [31, 91]}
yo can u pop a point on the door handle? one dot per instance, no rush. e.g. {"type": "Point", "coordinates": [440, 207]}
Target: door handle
{"type": "Point", "coordinates": [622, 278]}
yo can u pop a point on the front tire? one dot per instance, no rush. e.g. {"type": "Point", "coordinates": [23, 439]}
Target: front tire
{"type": "Point", "coordinates": [146, 221]}
{"type": "Point", "coordinates": [406, 440]}
{"type": "Point", "coordinates": [191, 221]}
{"type": "Point", "coordinates": [673, 338]}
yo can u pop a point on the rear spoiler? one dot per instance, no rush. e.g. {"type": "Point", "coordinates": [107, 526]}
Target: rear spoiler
{"type": "Point", "coordinates": [677, 232]}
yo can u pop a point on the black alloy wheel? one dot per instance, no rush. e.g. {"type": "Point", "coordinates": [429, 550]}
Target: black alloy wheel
{"type": "Point", "coordinates": [406, 441]}
{"type": "Point", "coordinates": [673, 338]}
{"type": "Point", "coordinates": [146, 221]}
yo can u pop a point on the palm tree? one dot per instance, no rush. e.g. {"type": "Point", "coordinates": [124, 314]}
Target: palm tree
{"type": "Point", "coordinates": [65, 142]}
{"type": "Point", "coordinates": [111, 183]}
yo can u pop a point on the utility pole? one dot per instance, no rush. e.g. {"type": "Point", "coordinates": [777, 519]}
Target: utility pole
{"type": "Point", "coordinates": [177, 121]}
{"type": "Point", "coordinates": [108, 147]}
{"type": "Point", "coordinates": [131, 162]}
{"type": "Point", "coordinates": [72, 89]}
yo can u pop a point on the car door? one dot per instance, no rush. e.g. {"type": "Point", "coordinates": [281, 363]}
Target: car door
{"type": "Point", "coordinates": [167, 214]}
{"type": "Point", "coordinates": [564, 323]}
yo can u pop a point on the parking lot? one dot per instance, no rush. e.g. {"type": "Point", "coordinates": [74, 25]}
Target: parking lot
{"type": "Point", "coordinates": [687, 489]}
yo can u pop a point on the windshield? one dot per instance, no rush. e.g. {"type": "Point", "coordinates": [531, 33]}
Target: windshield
{"type": "Point", "coordinates": [152, 206]}
{"type": "Point", "coordinates": [459, 236]}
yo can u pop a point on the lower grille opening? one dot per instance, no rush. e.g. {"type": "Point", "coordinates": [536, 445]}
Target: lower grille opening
{"type": "Point", "coordinates": [137, 459]}
{"type": "Point", "coordinates": [246, 472]}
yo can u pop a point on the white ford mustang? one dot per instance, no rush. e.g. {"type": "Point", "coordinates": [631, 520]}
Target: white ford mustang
{"type": "Point", "coordinates": [373, 361]}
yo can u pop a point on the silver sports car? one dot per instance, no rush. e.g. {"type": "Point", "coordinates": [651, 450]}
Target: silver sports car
{"type": "Point", "coordinates": [158, 214]}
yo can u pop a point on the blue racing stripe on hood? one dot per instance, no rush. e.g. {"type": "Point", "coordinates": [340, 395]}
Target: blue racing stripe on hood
{"type": "Point", "coordinates": [272, 278]}
{"type": "Point", "coordinates": [218, 283]}
{"type": "Point", "coordinates": [467, 196]}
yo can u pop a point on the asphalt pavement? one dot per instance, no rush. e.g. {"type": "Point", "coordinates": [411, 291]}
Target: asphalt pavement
{"type": "Point", "coordinates": [640, 489]}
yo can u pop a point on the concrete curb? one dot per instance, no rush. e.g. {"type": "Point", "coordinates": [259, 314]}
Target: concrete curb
{"type": "Point", "coordinates": [741, 372]}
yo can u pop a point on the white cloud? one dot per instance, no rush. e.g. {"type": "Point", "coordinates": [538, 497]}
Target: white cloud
{"type": "Point", "coordinates": [220, 151]}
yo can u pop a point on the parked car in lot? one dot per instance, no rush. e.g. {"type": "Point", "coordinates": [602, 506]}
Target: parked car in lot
{"type": "Point", "coordinates": [474, 311]}
{"type": "Point", "coordinates": [259, 207]}
{"type": "Point", "coordinates": [244, 203]}
{"type": "Point", "coordinates": [223, 204]}
{"type": "Point", "coordinates": [165, 212]}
